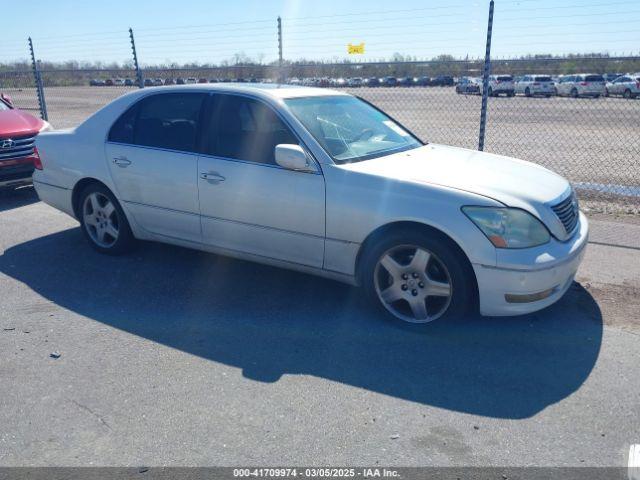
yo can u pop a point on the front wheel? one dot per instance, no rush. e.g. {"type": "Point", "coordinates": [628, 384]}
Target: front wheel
{"type": "Point", "coordinates": [574, 93]}
{"type": "Point", "coordinates": [418, 277]}
{"type": "Point", "coordinates": [103, 221]}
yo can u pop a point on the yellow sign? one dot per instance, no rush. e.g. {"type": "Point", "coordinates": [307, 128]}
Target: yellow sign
{"type": "Point", "coordinates": [355, 49]}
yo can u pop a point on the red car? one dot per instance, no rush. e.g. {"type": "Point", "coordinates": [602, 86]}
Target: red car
{"type": "Point", "coordinates": [18, 155]}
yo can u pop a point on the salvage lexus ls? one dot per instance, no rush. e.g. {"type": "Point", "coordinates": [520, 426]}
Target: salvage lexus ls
{"type": "Point", "coordinates": [322, 182]}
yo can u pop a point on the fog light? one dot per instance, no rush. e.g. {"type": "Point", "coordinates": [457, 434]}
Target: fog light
{"type": "Point", "coordinates": [529, 297]}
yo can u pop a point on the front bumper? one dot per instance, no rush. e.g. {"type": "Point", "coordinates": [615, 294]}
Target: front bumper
{"type": "Point", "coordinates": [529, 274]}
{"type": "Point", "coordinates": [16, 173]}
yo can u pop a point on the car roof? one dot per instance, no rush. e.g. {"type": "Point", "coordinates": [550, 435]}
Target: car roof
{"type": "Point", "coordinates": [270, 90]}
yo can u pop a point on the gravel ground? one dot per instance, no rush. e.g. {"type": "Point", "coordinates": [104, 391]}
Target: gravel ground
{"type": "Point", "coordinates": [173, 357]}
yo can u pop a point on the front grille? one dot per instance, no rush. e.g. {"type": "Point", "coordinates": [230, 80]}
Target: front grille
{"type": "Point", "coordinates": [568, 212]}
{"type": "Point", "coordinates": [18, 147]}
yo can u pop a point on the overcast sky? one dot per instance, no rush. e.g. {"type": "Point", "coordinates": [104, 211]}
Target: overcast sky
{"type": "Point", "coordinates": [213, 31]}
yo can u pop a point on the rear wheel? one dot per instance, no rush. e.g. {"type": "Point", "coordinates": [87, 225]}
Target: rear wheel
{"type": "Point", "coordinates": [627, 94]}
{"type": "Point", "coordinates": [417, 277]}
{"type": "Point", "coordinates": [527, 92]}
{"type": "Point", "coordinates": [574, 93]}
{"type": "Point", "coordinates": [103, 221]}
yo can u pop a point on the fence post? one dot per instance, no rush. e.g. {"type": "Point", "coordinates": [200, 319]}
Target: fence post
{"type": "Point", "coordinates": [485, 80]}
{"type": "Point", "coordinates": [135, 60]}
{"type": "Point", "coordinates": [42, 104]}
{"type": "Point", "coordinates": [280, 76]}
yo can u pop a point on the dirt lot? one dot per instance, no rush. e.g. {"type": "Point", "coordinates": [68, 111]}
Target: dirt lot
{"type": "Point", "coordinates": [587, 140]}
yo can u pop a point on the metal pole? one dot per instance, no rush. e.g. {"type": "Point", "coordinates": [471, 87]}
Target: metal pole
{"type": "Point", "coordinates": [280, 76]}
{"type": "Point", "coordinates": [135, 60]}
{"type": "Point", "coordinates": [42, 104]}
{"type": "Point", "coordinates": [485, 80]}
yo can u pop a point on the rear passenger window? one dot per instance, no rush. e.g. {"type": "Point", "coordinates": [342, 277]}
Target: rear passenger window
{"type": "Point", "coordinates": [169, 121]}
{"type": "Point", "coordinates": [242, 128]}
{"type": "Point", "coordinates": [122, 130]}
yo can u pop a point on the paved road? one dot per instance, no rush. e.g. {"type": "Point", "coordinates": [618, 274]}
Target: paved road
{"type": "Point", "coordinates": [174, 357]}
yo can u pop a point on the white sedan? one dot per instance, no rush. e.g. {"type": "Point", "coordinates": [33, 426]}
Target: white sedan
{"type": "Point", "coordinates": [322, 182]}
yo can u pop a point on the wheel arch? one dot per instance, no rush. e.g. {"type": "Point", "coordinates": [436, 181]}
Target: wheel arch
{"type": "Point", "coordinates": [409, 225]}
{"type": "Point", "coordinates": [77, 190]}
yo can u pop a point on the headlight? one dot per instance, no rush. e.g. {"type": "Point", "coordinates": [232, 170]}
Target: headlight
{"type": "Point", "coordinates": [508, 227]}
{"type": "Point", "coordinates": [46, 127]}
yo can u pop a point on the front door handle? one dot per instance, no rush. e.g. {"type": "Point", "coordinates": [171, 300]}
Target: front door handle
{"type": "Point", "coordinates": [122, 161]}
{"type": "Point", "coordinates": [212, 177]}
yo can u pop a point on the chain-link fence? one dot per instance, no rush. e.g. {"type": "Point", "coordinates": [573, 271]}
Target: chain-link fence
{"type": "Point", "coordinates": [594, 142]}
{"type": "Point", "coordinates": [21, 88]}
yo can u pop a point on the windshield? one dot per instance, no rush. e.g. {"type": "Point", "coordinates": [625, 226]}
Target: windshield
{"type": "Point", "coordinates": [349, 129]}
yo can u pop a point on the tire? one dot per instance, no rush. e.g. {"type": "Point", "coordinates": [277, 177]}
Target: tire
{"type": "Point", "coordinates": [447, 274]}
{"type": "Point", "coordinates": [527, 92]}
{"type": "Point", "coordinates": [627, 94]}
{"type": "Point", "coordinates": [574, 93]}
{"type": "Point", "coordinates": [103, 221]}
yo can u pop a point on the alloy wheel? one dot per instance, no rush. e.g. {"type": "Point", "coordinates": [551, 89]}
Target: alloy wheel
{"type": "Point", "coordinates": [100, 219]}
{"type": "Point", "coordinates": [413, 284]}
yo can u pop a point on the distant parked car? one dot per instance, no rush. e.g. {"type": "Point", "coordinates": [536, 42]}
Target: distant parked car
{"type": "Point", "coordinates": [96, 82]}
{"type": "Point", "coordinates": [179, 81]}
{"type": "Point", "coordinates": [467, 85]}
{"type": "Point", "coordinates": [610, 77]}
{"type": "Point", "coordinates": [582, 85]}
{"type": "Point", "coordinates": [531, 85]}
{"type": "Point", "coordinates": [627, 86]}
{"type": "Point", "coordinates": [389, 82]}
{"type": "Point", "coordinates": [203, 80]}
{"type": "Point", "coordinates": [158, 82]}
{"type": "Point", "coordinates": [109, 82]}
{"type": "Point", "coordinates": [372, 82]}
{"type": "Point", "coordinates": [501, 85]}
{"type": "Point", "coordinates": [118, 82]}
{"type": "Point", "coordinates": [355, 82]}
{"type": "Point", "coordinates": [191, 80]}
{"type": "Point", "coordinates": [148, 82]}
{"type": "Point", "coordinates": [442, 81]}
{"type": "Point", "coordinates": [18, 156]}
{"type": "Point", "coordinates": [169, 81]}
{"type": "Point", "coordinates": [421, 81]}
{"type": "Point", "coordinates": [405, 81]}
{"type": "Point", "coordinates": [128, 82]}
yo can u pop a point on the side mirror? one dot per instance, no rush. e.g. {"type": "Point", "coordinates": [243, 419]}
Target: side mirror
{"type": "Point", "coordinates": [6, 99]}
{"type": "Point", "coordinates": [293, 157]}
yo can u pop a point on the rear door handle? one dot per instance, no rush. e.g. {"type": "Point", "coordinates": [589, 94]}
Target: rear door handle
{"type": "Point", "coordinates": [212, 177]}
{"type": "Point", "coordinates": [122, 161]}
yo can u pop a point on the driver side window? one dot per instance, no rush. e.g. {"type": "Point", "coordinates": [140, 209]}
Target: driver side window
{"type": "Point", "coordinates": [243, 128]}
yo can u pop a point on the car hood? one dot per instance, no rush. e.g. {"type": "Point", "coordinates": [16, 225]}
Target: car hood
{"type": "Point", "coordinates": [512, 182]}
{"type": "Point", "coordinates": [16, 123]}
